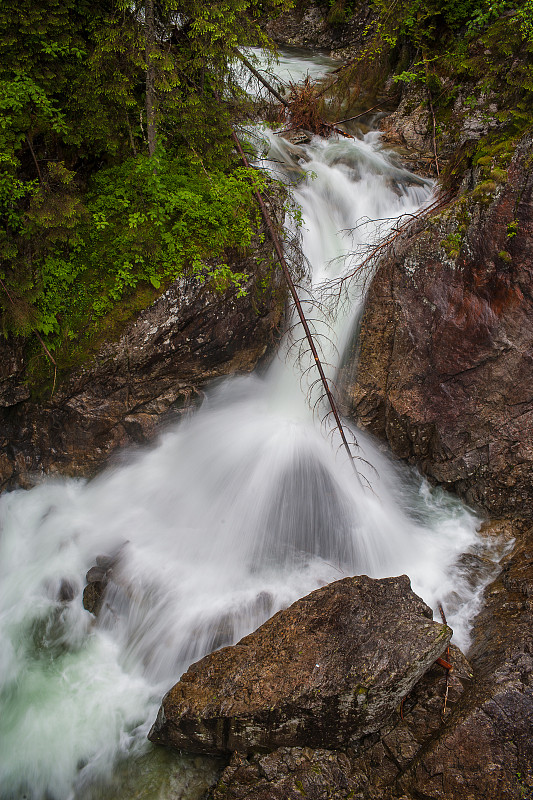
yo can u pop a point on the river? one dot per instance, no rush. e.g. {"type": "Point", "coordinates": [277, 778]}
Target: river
{"type": "Point", "coordinates": [233, 514]}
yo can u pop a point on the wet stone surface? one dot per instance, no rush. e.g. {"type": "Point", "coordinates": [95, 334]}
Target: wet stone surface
{"type": "Point", "coordinates": [329, 670]}
{"type": "Point", "coordinates": [459, 735]}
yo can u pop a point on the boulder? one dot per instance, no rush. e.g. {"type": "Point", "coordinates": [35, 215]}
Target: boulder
{"type": "Point", "coordinates": [462, 735]}
{"type": "Point", "coordinates": [445, 356]}
{"type": "Point", "coordinates": [98, 578]}
{"type": "Point", "coordinates": [288, 773]}
{"type": "Point", "coordinates": [325, 672]}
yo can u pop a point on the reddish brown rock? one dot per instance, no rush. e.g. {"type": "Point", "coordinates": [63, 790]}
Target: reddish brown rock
{"type": "Point", "coordinates": [486, 751]}
{"type": "Point", "coordinates": [370, 770]}
{"type": "Point", "coordinates": [446, 351]}
{"type": "Point", "coordinates": [327, 671]}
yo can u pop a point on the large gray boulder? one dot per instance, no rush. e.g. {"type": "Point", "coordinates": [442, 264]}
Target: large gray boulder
{"type": "Point", "coordinates": [322, 673]}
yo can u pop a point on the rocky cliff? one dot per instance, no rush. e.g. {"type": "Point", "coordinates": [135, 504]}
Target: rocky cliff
{"type": "Point", "coordinates": [446, 349]}
{"type": "Point", "coordinates": [155, 369]}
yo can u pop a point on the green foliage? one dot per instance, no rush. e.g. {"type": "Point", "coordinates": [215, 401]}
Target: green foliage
{"type": "Point", "coordinates": [153, 218]}
{"type": "Point", "coordinates": [422, 21]}
{"type": "Point", "coordinates": [340, 11]}
{"type": "Point", "coordinates": [485, 13]}
{"type": "Point", "coordinates": [452, 244]}
{"type": "Point", "coordinates": [145, 220]}
{"type": "Point", "coordinates": [512, 229]}
{"type": "Point", "coordinates": [88, 220]}
{"type": "Point", "coordinates": [409, 76]}
{"type": "Point", "coordinates": [448, 27]}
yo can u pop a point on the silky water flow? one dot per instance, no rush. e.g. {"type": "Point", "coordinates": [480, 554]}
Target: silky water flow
{"type": "Point", "coordinates": [238, 511]}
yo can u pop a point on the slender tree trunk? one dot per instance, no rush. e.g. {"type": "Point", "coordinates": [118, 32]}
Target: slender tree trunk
{"type": "Point", "coordinates": [150, 76]}
{"type": "Point", "coordinates": [309, 336]}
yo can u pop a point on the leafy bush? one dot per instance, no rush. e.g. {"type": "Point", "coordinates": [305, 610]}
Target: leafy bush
{"type": "Point", "coordinates": [145, 220]}
{"type": "Point", "coordinates": [88, 222]}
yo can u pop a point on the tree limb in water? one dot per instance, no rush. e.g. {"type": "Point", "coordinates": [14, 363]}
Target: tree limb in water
{"type": "Point", "coordinates": [286, 272]}
{"type": "Point", "coordinates": [301, 101]}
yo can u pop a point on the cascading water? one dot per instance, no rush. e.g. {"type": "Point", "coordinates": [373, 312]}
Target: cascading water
{"type": "Point", "coordinates": [238, 511]}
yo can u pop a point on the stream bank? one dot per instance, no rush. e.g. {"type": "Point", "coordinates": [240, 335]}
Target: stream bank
{"type": "Point", "coordinates": [140, 381]}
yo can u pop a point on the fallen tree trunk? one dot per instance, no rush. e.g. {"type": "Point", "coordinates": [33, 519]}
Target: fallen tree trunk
{"type": "Point", "coordinates": [309, 336]}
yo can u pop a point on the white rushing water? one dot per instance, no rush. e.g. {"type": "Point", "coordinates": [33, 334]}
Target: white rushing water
{"type": "Point", "coordinates": [237, 512]}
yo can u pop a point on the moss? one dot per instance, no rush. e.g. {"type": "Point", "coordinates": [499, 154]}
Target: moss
{"type": "Point", "coordinates": [452, 244]}
{"type": "Point", "coordinates": [499, 175]}
{"type": "Point", "coordinates": [484, 191]}
{"type": "Point", "coordinates": [73, 353]}
{"type": "Point", "coordinates": [505, 256]}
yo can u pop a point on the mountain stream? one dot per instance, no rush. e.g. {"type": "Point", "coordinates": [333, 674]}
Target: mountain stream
{"type": "Point", "coordinates": [236, 512]}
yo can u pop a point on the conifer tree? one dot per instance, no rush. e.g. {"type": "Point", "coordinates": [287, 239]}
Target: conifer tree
{"type": "Point", "coordinates": [92, 88]}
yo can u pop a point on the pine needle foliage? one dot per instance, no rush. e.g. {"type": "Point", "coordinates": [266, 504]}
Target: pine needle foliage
{"type": "Point", "coordinates": [89, 214]}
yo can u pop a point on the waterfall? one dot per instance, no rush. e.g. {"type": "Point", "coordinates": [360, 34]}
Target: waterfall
{"type": "Point", "coordinates": [232, 515]}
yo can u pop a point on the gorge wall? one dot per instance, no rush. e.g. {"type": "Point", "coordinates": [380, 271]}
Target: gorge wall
{"type": "Point", "coordinates": [446, 349]}
{"type": "Point", "coordinates": [154, 370]}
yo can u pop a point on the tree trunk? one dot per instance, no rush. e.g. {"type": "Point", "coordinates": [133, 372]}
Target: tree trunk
{"type": "Point", "coordinates": [150, 76]}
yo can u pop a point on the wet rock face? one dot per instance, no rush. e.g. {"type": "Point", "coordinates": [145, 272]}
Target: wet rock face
{"type": "Point", "coordinates": [465, 735]}
{"type": "Point", "coordinates": [97, 580]}
{"type": "Point", "coordinates": [309, 25]}
{"type": "Point", "coordinates": [325, 672]}
{"type": "Point", "coordinates": [367, 771]}
{"type": "Point", "coordinates": [486, 750]}
{"type": "Point", "coordinates": [186, 338]}
{"type": "Point", "coordinates": [289, 773]}
{"type": "Point", "coordinates": [445, 369]}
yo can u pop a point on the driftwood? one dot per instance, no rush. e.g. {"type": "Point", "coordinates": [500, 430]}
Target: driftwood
{"type": "Point", "coordinates": [326, 128]}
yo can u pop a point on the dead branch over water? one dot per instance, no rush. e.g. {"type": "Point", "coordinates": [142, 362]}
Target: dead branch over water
{"type": "Point", "coordinates": [309, 336]}
{"type": "Point", "coordinates": [304, 113]}
{"type": "Point", "coordinates": [374, 252]}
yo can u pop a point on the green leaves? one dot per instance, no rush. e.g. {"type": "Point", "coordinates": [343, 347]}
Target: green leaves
{"type": "Point", "coordinates": [144, 226]}
{"type": "Point", "coordinates": [87, 220]}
